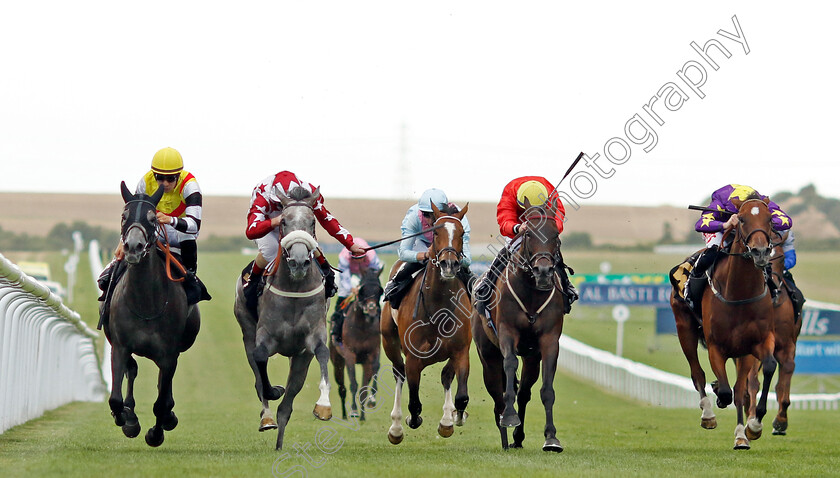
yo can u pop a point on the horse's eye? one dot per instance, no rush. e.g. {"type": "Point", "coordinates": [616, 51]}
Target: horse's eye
{"type": "Point", "coordinates": [282, 223]}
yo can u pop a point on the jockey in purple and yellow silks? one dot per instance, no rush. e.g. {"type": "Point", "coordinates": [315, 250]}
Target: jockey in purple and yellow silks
{"type": "Point", "coordinates": [714, 225]}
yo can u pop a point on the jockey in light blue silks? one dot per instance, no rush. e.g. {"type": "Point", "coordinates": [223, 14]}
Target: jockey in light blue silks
{"type": "Point", "coordinates": [413, 251]}
{"type": "Point", "coordinates": [723, 216]}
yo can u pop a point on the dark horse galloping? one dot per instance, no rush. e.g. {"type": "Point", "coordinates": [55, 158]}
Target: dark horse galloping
{"type": "Point", "coordinates": [738, 320]}
{"type": "Point", "coordinates": [149, 317]}
{"type": "Point", "coordinates": [527, 320]}
{"type": "Point", "coordinates": [361, 345]}
{"type": "Point", "coordinates": [428, 328]}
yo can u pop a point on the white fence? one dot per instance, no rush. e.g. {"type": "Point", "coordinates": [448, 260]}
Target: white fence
{"type": "Point", "coordinates": [654, 386]}
{"type": "Point", "coordinates": [47, 354]}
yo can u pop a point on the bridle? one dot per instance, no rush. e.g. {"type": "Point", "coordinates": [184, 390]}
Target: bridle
{"type": "Point", "coordinates": [136, 223]}
{"type": "Point", "coordinates": [438, 255]}
{"type": "Point", "coordinates": [744, 239]}
{"type": "Point", "coordinates": [531, 260]}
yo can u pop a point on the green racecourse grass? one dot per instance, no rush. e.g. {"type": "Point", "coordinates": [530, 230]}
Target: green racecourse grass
{"type": "Point", "coordinates": [604, 435]}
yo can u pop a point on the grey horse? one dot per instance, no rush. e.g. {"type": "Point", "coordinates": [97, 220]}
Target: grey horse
{"type": "Point", "coordinates": [149, 317]}
{"type": "Point", "coordinates": [292, 315]}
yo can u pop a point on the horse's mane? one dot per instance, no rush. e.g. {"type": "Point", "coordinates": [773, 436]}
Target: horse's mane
{"type": "Point", "coordinates": [449, 209]}
{"type": "Point", "coordinates": [754, 195]}
{"type": "Point", "coordinates": [299, 194]}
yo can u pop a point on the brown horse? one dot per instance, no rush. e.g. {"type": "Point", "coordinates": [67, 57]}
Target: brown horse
{"type": "Point", "coordinates": [787, 332]}
{"type": "Point", "coordinates": [527, 320]}
{"type": "Point", "coordinates": [738, 320]}
{"type": "Point", "coordinates": [428, 328]}
{"type": "Point", "coordinates": [360, 345]}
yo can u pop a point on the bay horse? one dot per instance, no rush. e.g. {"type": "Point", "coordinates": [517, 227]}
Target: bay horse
{"type": "Point", "coordinates": [149, 317]}
{"type": "Point", "coordinates": [291, 315]}
{"type": "Point", "coordinates": [526, 320]}
{"type": "Point", "coordinates": [787, 327]}
{"type": "Point", "coordinates": [738, 320]}
{"type": "Point", "coordinates": [360, 345]}
{"type": "Point", "coordinates": [428, 328]}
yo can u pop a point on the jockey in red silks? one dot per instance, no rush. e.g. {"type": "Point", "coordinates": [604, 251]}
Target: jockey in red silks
{"type": "Point", "coordinates": [263, 229]}
{"type": "Point", "coordinates": [351, 270]}
{"type": "Point", "coordinates": [509, 214]}
{"type": "Point", "coordinates": [721, 217]}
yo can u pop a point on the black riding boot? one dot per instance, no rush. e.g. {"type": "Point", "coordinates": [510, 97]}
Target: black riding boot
{"type": "Point", "coordinates": [337, 320]}
{"type": "Point", "coordinates": [253, 288]}
{"type": "Point", "coordinates": [192, 285]}
{"type": "Point", "coordinates": [466, 276]}
{"type": "Point", "coordinates": [796, 296]}
{"type": "Point", "coordinates": [771, 284]}
{"type": "Point", "coordinates": [396, 287]}
{"type": "Point", "coordinates": [696, 280]}
{"type": "Point", "coordinates": [107, 281]}
{"type": "Point", "coordinates": [570, 293]}
{"type": "Point", "coordinates": [485, 287]}
{"type": "Point", "coordinates": [330, 288]}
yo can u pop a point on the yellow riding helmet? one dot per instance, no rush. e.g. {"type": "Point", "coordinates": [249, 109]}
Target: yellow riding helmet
{"type": "Point", "coordinates": [534, 191]}
{"type": "Point", "coordinates": [167, 161]}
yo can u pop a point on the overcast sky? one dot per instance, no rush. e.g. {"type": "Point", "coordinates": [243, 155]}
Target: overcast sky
{"type": "Point", "coordinates": [385, 99]}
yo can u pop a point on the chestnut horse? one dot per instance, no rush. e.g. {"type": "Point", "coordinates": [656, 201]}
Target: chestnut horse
{"type": "Point", "coordinates": [360, 345]}
{"type": "Point", "coordinates": [428, 328]}
{"type": "Point", "coordinates": [787, 332]}
{"type": "Point", "coordinates": [738, 320]}
{"type": "Point", "coordinates": [527, 320]}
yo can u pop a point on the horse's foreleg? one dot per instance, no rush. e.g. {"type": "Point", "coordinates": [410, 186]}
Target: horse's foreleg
{"type": "Point", "coordinates": [462, 397]}
{"type": "Point", "coordinates": [132, 425]}
{"type": "Point", "coordinates": [395, 432]}
{"type": "Point", "coordinates": [742, 442]}
{"type": "Point", "coordinates": [165, 419]}
{"type": "Point", "coordinates": [768, 363]}
{"type": "Point", "coordinates": [266, 419]}
{"type": "Point", "coordinates": [786, 366]}
{"type": "Point", "coordinates": [550, 348]}
{"type": "Point", "coordinates": [366, 391]}
{"type": "Point", "coordinates": [510, 363]}
{"type": "Point", "coordinates": [718, 364]}
{"type": "Point", "coordinates": [338, 374]}
{"type": "Point", "coordinates": [323, 409]}
{"type": "Point", "coordinates": [370, 398]}
{"type": "Point", "coordinates": [265, 346]}
{"type": "Point", "coordinates": [354, 385]}
{"type": "Point", "coordinates": [119, 359]}
{"type": "Point", "coordinates": [530, 374]}
{"type": "Point", "coordinates": [298, 368]}
{"type": "Point", "coordinates": [446, 426]}
{"type": "Point", "coordinates": [413, 368]}
{"type": "Point", "coordinates": [494, 379]}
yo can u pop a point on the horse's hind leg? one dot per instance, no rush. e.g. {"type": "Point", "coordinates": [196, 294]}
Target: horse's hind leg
{"type": "Point", "coordinates": [530, 374]}
{"type": "Point", "coordinates": [338, 373]}
{"type": "Point", "coordinates": [689, 339]}
{"type": "Point", "coordinates": [165, 419]}
{"type": "Point", "coordinates": [742, 442]}
{"type": "Point", "coordinates": [754, 426]}
{"type": "Point", "coordinates": [462, 397]}
{"type": "Point", "coordinates": [413, 370]}
{"type": "Point", "coordinates": [354, 385]}
{"type": "Point", "coordinates": [298, 368]}
{"type": "Point", "coordinates": [446, 426]}
{"type": "Point", "coordinates": [786, 366]}
{"type": "Point", "coordinates": [132, 425]}
{"type": "Point", "coordinates": [323, 409]}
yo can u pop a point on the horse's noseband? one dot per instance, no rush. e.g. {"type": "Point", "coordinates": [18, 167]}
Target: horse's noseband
{"type": "Point", "coordinates": [437, 259]}
{"type": "Point", "coordinates": [136, 223]}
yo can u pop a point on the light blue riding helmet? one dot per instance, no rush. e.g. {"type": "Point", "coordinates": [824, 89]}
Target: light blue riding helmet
{"type": "Point", "coordinates": [430, 196]}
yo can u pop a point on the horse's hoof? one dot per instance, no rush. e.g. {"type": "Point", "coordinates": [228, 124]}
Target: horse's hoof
{"type": "Point", "coordinates": [741, 444]}
{"type": "Point", "coordinates": [119, 418]}
{"type": "Point", "coordinates": [274, 393]}
{"type": "Point", "coordinates": [131, 430]}
{"type": "Point", "coordinates": [395, 440]}
{"type": "Point", "coordinates": [414, 425]}
{"type": "Point", "coordinates": [322, 412]}
{"type": "Point", "coordinates": [370, 403]}
{"type": "Point", "coordinates": [170, 423]}
{"type": "Point", "coordinates": [753, 429]}
{"type": "Point", "coordinates": [779, 427]}
{"type": "Point", "coordinates": [708, 423]}
{"type": "Point", "coordinates": [354, 414]}
{"type": "Point", "coordinates": [461, 418]}
{"type": "Point", "coordinates": [553, 444]}
{"type": "Point", "coordinates": [445, 431]}
{"type": "Point", "coordinates": [267, 423]}
{"type": "Point", "coordinates": [154, 437]}
{"type": "Point", "coordinates": [510, 421]}
{"type": "Point", "coordinates": [714, 385]}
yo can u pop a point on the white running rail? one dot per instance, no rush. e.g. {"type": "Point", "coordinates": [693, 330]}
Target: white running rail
{"type": "Point", "coordinates": [96, 269]}
{"type": "Point", "coordinates": [47, 354]}
{"type": "Point", "coordinates": [651, 385]}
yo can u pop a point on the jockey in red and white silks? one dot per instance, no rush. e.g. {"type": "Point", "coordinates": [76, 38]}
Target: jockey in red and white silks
{"type": "Point", "coordinates": [265, 205]}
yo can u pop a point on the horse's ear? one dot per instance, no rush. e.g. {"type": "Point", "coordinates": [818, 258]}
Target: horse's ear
{"type": "Point", "coordinates": [126, 194]}
{"type": "Point", "coordinates": [436, 211]}
{"type": "Point", "coordinates": [463, 212]}
{"type": "Point", "coordinates": [526, 204]}
{"type": "Point", "coordinates": [737, 203]}
{"type": "Point", "coordinates": [766, 200]}
{"type": "Point", "coordinates": [314, 196]}
{"type": "Point", "coordinates": [157, 195]}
